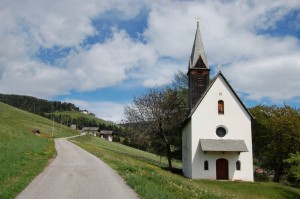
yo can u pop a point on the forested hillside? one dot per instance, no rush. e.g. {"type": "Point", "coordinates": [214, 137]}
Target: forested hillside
{"type": "Point", "coordinates": [35, 105]}
{"type": "Point", "coordinates": [62, 112]}
{"type": "Point", "coordinates": [82, 120]}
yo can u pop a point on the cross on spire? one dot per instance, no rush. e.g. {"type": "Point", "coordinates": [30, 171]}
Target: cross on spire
{"type": "Point", "coordinates": [198, 20]}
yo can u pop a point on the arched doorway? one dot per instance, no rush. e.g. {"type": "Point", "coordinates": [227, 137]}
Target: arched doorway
{"type": "Point", "coordinates": [222, 169]}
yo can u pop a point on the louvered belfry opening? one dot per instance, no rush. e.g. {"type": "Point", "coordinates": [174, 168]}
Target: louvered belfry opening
{"type": "Point", "coordinates": [198, 83]}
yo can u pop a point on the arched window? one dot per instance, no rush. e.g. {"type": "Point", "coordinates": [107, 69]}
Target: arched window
{"type": "Point", "coordinates": [238, 165]}
{"type": "Point", "coordinates": [221, 107]}
{"type": "Point", "coordinates": [205, 165]}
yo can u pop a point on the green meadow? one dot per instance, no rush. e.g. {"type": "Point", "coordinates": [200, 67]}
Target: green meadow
{"type": "Point", "coordinates": [24, 155]}
{"type": "Point", "coordinates": [147, 176]}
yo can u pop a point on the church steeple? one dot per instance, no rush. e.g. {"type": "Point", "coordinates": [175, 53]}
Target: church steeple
{"type": "Point", "coordinates": [198, 58]}
{"type": "Point", "coordinates": [198, 71]}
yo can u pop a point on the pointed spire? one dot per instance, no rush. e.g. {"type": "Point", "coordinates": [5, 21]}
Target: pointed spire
{"type": "Point", "coordinates": [198, 50]}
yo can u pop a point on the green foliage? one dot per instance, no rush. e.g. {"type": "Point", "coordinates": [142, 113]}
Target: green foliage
{"type": "Point", "coordinates": [151, 181]}
{"type": "Point", "coordinates": [35, 105]}
{"type": "Point", "coordinates": [154, 119]}
{"type": "Point", "coordinates": [24, 155]}
{"type": "Point", "coordinates": [261, 177]}
{"type": "Point", "coordinates": [116, 139]}
{"type": "Point", "coordinates": [157, 116]}
{"type": "Point", "coordinates": [276, 134]}
{"type": "Point", "coordinates": [82, 120]}
{"type": "Point", "coordinates": [181, 85]}
{"type": "Point", "coordinates": [293, 168]}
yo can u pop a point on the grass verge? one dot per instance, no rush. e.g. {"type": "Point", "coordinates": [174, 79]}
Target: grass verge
{"type": "Point", "coordinates": [151, 181]}
{"type": "Point", "coordinates": [24, 155]}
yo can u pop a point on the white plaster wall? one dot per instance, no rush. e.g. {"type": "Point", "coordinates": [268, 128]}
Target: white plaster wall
{"type": "Point", "coordinates": [236, 120]}
{"type": "Point", "coordinates": [186, 151]}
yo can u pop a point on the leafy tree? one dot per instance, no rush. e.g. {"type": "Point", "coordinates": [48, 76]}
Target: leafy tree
{"type": "Point", "coordinates": [159, 114]}
{"type": "Point", "coordinates": [293, 168]}
{"type": "Point", "coordinates": [180, 84]}
{"type": "Point", "coordinates": [276, 134]}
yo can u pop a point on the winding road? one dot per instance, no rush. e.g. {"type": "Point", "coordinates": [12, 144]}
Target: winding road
{"type": "Point", "coordinates": [77, 174]}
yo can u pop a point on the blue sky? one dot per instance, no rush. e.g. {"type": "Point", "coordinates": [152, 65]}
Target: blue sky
{"type": "Point", "coordinates": [99, 54]}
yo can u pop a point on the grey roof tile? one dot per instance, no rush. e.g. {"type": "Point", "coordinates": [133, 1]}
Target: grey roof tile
{"type": "Point", "coordinates": [224, 145]}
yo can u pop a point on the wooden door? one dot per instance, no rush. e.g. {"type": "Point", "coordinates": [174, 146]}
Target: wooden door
{"type": "Point", "coordinates": [222, 169]}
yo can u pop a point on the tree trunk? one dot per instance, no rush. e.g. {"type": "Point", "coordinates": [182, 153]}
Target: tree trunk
{"type": "Point", "coordinates": [277, 174]}
{"type": "Point", "coordinates": [169, 156]}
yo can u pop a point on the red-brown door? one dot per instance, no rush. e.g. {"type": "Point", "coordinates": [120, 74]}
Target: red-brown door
{"type": "Point", "coordinates": [222, 169]}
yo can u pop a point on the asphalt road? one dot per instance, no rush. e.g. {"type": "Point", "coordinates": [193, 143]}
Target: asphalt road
{"type": "Point", "coordinates": [77, 174]}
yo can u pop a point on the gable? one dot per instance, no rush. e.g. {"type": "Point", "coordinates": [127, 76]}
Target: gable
{"type": "Point", "coordinates": [207, 121]}
{"type": "Point", "coordinates": [228, 87]}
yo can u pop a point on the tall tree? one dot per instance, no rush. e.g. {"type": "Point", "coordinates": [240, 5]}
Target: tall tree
{"type": "Point", "coordinates": [159, 114]}
{"type": "Point", "coordinates": [276, 134]}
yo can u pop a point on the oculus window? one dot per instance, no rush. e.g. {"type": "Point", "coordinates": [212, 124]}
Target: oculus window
{"type": "Point", "coordinates": [221, 131]}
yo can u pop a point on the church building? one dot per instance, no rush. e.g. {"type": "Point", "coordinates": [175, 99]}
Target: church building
{"type": "Point", "coordinates": [216, 136]}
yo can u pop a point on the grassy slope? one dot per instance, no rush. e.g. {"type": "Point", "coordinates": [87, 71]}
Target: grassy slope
{"type": "Point", "coordinates": [22, 154]}
{"type": "Point", "coordinates": [151, 181]}
{"type": "Point", "coordinates": [77, 115]}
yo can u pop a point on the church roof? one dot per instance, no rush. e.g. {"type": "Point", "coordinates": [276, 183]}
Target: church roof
{"type": "Point", "coordinates": [208, 88]}
{"type": "Point", "coordinates": [198, 58]}
{"type": "Point", "coordinates": [223, 145]}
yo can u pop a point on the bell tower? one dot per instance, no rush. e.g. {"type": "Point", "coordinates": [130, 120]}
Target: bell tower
{"type": "Point", "coordinates": [198, 71]}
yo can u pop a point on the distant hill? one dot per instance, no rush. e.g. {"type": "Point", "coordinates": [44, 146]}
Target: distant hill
{"type": "Point", "coordinates": [65, 113]}
{"type": "Point", "coordinates": [35, 105]}
{"type": "Point", "coordinates": [83, 120]}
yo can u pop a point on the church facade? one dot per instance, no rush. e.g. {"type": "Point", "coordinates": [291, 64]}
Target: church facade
{"type": "Point", "coordinates": [216, 136]}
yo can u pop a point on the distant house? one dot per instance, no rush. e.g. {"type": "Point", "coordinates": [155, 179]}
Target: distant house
{"type": "Point", "coordinates": [73, 126]}
{"type": "Point", "coordinates": [108, 135]}
{"type": "Point", "coordinates": [90, 130]}
{"type": "Point", "coordinates": [85, 112]}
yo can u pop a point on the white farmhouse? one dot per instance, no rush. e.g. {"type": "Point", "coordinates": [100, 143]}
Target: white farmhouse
{"type": "Point", "coordinates": [216, 137]}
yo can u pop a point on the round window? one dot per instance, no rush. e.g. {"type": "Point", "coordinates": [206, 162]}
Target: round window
{"type": "Point", "coordinates": [221, 132]}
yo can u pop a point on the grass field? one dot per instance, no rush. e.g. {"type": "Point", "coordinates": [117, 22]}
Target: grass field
{"type": "Point", "coordinates": [23, 155]}
{"type": "Point", "coordinates": [149, 180]}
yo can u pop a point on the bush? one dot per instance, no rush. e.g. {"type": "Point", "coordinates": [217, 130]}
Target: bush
{"type": "Point", "coordinates": [116, 139]}
{"type": "Point", "coordinates": [261, 177]}
{"type": "Point", "coordinates": [293, 169]}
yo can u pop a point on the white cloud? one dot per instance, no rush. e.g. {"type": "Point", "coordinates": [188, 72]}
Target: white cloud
{"type": "Point", "coordinates": [106, 64]}
{"type": "Point", "coordinates": [273, 77]}
{"type": "Point", "coordinates": [34, 78]}
{"type": "Point", "coordinates": [230, 32]}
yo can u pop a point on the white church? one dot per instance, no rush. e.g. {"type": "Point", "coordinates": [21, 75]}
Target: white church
{"type": "Point", "coordinates": [216, 137]}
